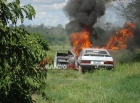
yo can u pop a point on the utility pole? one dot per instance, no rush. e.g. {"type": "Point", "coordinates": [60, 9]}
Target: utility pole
{"type": "Point", "coordinates": [107, 25]}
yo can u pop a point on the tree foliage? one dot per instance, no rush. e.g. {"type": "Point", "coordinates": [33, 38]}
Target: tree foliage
{"type": "Point", "coordinates": [132, 10]}
{"type": "Point", "coordinates": [128, 8]}
{"type": "Point", "coordinates": [19, 52]}
{"type": "Point", "coordinates": [54, 35]}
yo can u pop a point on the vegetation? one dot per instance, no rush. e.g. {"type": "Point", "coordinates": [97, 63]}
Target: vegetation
{"type": "Point", "coordinates": [132, 11]}
{"type": "Point", "coordinates": [54, 35]}
{"type": "Point", "coordinates": [99, 86]}
{"type": "Point", "coordinates": [102, 86]}
{"type": "Point", "coordinates": [58, 35]}
{"type": "Point", "coordinates": [20, 51]}
{"type": "Point", "coordinates": [24, 46]}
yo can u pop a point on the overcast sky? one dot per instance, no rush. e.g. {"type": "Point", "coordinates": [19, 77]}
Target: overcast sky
{"type": "Point", "coordinates": [50, 13]}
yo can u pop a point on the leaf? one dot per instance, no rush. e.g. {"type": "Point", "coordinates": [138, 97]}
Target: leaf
{"type": "Point", "coordinates": [19, 52]}
{"type": "Point", "coordinates": [17, 2]}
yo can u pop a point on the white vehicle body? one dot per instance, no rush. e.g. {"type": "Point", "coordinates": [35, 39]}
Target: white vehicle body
{"type": "Point", "coordinates": [95, 58]}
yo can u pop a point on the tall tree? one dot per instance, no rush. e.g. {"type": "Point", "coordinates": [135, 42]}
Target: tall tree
{"type": "Point", "coordinates": [128, 8]}
{"type": "Point", "coordinates": [19, 52]}
{"type": "Point", "coordinates": [132, 10]}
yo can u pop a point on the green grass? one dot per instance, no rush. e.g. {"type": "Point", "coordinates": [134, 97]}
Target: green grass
{"type": "Point", "coordinates": [121, 85]}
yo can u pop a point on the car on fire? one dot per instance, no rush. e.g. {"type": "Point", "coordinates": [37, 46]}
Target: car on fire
{"type": "Point", "coordinates": [94, 58]}
{"type": "Point", "coordinates": [65, 58]}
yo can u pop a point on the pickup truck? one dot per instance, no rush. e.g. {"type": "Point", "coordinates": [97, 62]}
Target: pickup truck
{"type": "Point", "coordinates": [65, 58]}
{"type": "Point", "coordinates": [94, 58]}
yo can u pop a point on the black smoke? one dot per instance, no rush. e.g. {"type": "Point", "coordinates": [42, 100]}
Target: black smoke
{"type": "Point", "coordinates": [83, 13]}
{"type": "Point", "coordinates": [134, 43]}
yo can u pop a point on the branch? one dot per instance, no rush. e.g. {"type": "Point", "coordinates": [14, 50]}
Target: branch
{"type": "Point", "coordinates": [123, 10]}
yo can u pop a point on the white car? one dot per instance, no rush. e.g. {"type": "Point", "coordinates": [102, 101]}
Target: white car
{"type": "Point", "coordinates": [95, 58]}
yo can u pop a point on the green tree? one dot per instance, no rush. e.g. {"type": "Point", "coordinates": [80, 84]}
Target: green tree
{"type": "Point", "coordinates": [132, 10]}
{"type": "Point", "coordinates": [128, 9]}
{"type": "Point", "coordinates": [19, 52]}
{"type": "Point", "coordinates": [54, 35]}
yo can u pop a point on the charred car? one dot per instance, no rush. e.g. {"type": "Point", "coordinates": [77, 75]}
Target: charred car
{"type": "Point", "coordinates": [64, 59]}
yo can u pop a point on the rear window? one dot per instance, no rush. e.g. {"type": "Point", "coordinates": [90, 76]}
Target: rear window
{"type": "Point", "coordinates": [93, 55]}
{"type": "Point", "coordinates": [99, 55]}
{"type": "Point", "coordinates": [95, 52]}
{"type": "Point", "coordinates": [89, 51]}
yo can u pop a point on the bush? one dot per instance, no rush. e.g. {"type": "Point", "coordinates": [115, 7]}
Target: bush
{"type": "Point", "coordinates": [19, 53]}
{"type": "Point", "coordinates": [130, 57]}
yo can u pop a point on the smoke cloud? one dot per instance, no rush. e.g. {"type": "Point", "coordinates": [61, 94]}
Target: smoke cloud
{"type": "Point", "coordinates": [83, 13]}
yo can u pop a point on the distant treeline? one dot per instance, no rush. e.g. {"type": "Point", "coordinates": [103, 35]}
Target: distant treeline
{"type": "Point", "coordinates": [58, 35]}
{"type": "Point", "coordinates": [54, 35]}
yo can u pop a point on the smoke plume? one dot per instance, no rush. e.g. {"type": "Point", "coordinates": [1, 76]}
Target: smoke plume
{"type": "Point", "coordinates": [83, 13]}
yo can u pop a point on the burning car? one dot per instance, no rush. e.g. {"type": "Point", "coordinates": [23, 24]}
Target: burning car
{"type": "Point", "coordinates": [64, 59]}
{"type": "Point", "coordinates": [95, 58]}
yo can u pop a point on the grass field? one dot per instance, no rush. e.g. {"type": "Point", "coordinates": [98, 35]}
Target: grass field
{"type": "Point", "coordinates": [121, 85]}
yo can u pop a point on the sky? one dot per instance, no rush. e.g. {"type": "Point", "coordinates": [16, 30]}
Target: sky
{"type": "Point", "coordinates": [50, 13]}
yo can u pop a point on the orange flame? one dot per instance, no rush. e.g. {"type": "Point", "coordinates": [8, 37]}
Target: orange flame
{"type": "Point", "coordinates": [119, 40]}
{"type": "Point", "coordinates": [80, 40]}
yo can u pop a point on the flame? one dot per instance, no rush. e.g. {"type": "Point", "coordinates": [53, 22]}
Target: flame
{"type": "Point", "coordinates": [80, 40]}
{"type": "Point", "coordinates": [119, 40]}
